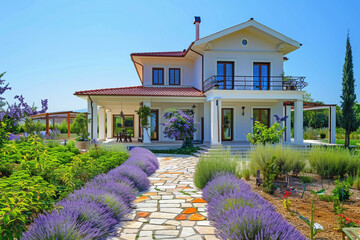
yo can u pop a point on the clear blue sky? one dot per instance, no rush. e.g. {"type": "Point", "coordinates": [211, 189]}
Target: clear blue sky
{"type": "Point", "coordinates": [50, 49]}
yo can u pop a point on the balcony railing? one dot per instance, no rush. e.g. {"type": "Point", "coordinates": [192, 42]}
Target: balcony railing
{"type": "Point", "coordinates": [284, 83]}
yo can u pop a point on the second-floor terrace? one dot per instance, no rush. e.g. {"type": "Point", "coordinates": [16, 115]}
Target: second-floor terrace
{"type": "Point", "coordinates": [260, 83]}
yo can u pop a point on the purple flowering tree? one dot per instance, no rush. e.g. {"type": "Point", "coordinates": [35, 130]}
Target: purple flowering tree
{"type": "Point", "coordinates": [11, 114]}
{"type": "Point", "coordinates": [179, 125]}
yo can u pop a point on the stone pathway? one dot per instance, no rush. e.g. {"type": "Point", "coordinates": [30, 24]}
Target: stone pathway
{"type": "Point", "coordinates": [172, 208]}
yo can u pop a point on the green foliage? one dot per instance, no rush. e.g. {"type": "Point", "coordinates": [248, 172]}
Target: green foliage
{"type": "Point", "coordinates": [34, 175]}
{"type": "Point", "coordinates": [144, 113]}
{"type": "Point", "coordinates": [356, 184]}
{"type": "Point", "coordinates": [348, 118]}
{"type": "Point", "coordinates": [30, 126]}
{"type": "Point", "coordinates": [332, 162]}
{"type": "Point", "coordinates": [215, 162]}
{"type": "Point", "coordinates": [262, 134]}
{"type": "Point", "coordinates": [327, 198]}
{"type": "Point", "coordinates": [79, 127]}
{"type": "Point", "coordinates": [310, 133]}
{"type": "Point", "coordinates": [269, 173]}
{"type": "Point", "coordinates": [342, 189]}
{"type": "Point", "coordinates": [246, 173]}
{"type": "Point", "coordinates": [311, 222]}
{"type": "Point", "coordinates": [306, 179]}
{"type": "Point", "coordinates": [287, 159]}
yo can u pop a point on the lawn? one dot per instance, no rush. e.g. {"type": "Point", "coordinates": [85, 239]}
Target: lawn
{"type": "Point", "coordinates": [342, 141]}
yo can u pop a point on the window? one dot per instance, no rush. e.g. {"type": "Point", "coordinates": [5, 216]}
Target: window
{"type": "Point", "coordinates": [225, 75]}
{"type": "Point", "coordinates": [262, 115]}
{"type": "Point", "coordinates": [261, 79]}
{"type": "Point", "coordinates": [244, 42]}
{"type": "Point", "coordinates": [174, 76]}
{"type": "Point", "coordinates": [158, 76]}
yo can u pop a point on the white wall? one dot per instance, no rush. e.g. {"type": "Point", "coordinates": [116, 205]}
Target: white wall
{"type": "Point", "coordinates": [243, 124]}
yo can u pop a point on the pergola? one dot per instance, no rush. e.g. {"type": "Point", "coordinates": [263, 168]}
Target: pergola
{"type": "Point", "coordinates": [308, 106]}
{"type": "Point", "coordinates": [68, 115]}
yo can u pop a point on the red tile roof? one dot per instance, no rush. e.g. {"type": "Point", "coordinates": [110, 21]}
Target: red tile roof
{"type": "Point", "coordinates": [161, 54]}
{"type": "Point", "coordinates": [145, 91]}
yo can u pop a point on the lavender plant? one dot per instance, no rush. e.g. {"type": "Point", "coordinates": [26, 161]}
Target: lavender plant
{"type": "Point", "coordinates": [142, 163]}
{"type": "Point", "coordinates": [134, 173]}
{"type": "Point", "coordinates": [222, 184]}
{"type": "Point", "coordinates": [146, 154]}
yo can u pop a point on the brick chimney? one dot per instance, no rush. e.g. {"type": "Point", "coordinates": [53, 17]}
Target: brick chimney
{"type": "Point", "coordinates": [197, 27]}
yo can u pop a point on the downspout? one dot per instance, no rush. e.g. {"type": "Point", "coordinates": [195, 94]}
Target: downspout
{"type": "Point", "coordinates": [202, 63]}
{"type": "Point", "coordinates": [91, 114]}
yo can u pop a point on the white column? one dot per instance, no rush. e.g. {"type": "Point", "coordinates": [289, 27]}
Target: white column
{"type": "Point", "coordinates": [332, 124]}
{"type": "Point", "coordinates": [101, 123]}
{"type": "Point", "coordinates": [219, 121]}
{"type": "Point", "coordinates": [298, 121]}
{"type": "Point", "coordinates": [214, 122]}
{"type": "Point", "coordinates": [147, 132]}
{"type": "Point", "coordinates": [109, 123]}
{"type": "Point", "coordinates": [288, 124]}
{"type": "Point", "coordinates": [207, 122]}
{"type": "Point", "coordinates": [92, 117]}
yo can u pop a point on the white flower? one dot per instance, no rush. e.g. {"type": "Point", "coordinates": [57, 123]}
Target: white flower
{"type": "Point", "coordinates": [318, 226]}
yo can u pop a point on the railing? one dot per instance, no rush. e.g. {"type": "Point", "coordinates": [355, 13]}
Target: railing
{"type": "Point", "coordinates": [284, 83]}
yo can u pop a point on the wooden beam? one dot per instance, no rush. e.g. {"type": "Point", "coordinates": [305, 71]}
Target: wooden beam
{"type": "Point", "coordinates": [47, 124]}
{"type": "Point", "coordinates": [68, 123]}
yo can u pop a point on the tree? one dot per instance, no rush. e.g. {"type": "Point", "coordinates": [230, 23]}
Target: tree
{"type": "Point", "coordinates": [348, 117]}
{"type": "Point", "coordinates": [179, 125]}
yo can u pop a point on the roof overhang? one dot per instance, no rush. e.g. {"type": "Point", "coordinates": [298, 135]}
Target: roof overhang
{"type": "Point", "coordinates": [290, 44]}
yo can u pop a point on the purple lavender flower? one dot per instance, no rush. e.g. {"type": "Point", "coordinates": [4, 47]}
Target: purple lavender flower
{"type": "Point", "coordinates": [254, 223]}
{"type": "Point", "coordinates": [221, 184]}
{"type": "Point", "coordinates": [143, 163]}
{"type": "Point", "coordinates": [146, 154]}
{"type": "Point", "coordinates": [134, 173]}
{"type": "Point", "coordinates": [112, 200]}
{"type": "Point", "coordinates": [13, 137]}
{"type": "Point", "coordinates": [278, 119]}
{"type": "Point", "coordinates": [234, 199]}
{"type": "Point", "coordinates": [127, 193]}
{"type": "Point", "coordinates": [60, 225]}
{"type": "Point", "coordinates": [105, 178]}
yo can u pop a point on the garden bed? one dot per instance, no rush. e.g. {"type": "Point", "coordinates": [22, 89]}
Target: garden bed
{"type": "Point", "coordinates": [324, 214]}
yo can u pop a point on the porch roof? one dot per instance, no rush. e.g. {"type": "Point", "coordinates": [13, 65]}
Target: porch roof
{"type": "Point", "coordinates": [145, 91]}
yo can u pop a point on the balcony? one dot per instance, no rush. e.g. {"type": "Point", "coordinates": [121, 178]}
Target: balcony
{"type": "Point", "coordinates": [266, 83]}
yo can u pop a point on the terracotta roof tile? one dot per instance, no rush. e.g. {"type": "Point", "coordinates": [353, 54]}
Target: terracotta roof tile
{"type": "Point", "coordinates": [145, 91]}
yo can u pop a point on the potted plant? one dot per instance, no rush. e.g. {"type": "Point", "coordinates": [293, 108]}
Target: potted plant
{"type": "Point", "coordinates": [144, 113]}
{"type": "Point", "coordinates": [79, 127]}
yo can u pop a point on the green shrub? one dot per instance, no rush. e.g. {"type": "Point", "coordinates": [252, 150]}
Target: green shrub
{"type": "Point", "coordinates": [330, 162]}
{"type": "Point", "coordinates": [263, 134]}
{"type": "Point", "coordinates": [323, 132]}
{"type": "Point", "coordinates": [327, 198]}
{"type": "Point", "coordinates": [306, 179]}
{"type": "Point", "coordinates": [342, 189]}
{"type": "Point", "coordinates": [287, 159]}
{"type": "Point", "coordinates": [213, 163]}
{"type": "Point", "coordinates": [246, 173]}
{"type": "Point", "coordinates": [35, 175]}
{"type": "Point", "coordinates": [269, 174]}
{"type": "Point", "coordinates": [310, 133]}
{"type": "Point", "coordinates": [356, 184]}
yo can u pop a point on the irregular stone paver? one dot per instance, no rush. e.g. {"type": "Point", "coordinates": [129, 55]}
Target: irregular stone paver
{"type": "Point", "coordinates": [172, 208]}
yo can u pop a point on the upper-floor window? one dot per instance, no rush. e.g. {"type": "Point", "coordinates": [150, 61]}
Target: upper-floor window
{"type": "Point", "coordinates": [174, 76]}
{"type": "Point", "coordinates": [158, 76]}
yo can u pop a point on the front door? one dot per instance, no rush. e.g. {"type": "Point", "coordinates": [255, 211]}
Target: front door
{"type": "Point", "coordinates": [225, 75]}
{"type": "Point", "coordinates": [227, 124]}
{"type": "Point", "coordinates": [154, 124]}
{"type": "Point", "coordinates": [261, 79]}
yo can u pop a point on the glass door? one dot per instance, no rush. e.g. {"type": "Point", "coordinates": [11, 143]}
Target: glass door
{"type": "Point", "coordinates": [261, 79]}
{"type": "Point", "coordinates": [154, 125]}
{"type": "Point", "coordinates": [123, 124]}
{"type": "Point", "coordinates": [225, 75]}
{"type": "Point", "coordinates": [227, 124]}
{"type": "Point", "coordinates": [262, 115]}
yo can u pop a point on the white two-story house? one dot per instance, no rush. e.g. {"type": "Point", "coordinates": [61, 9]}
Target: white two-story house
{"type": "Point", "coordinates": [225, 79]}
